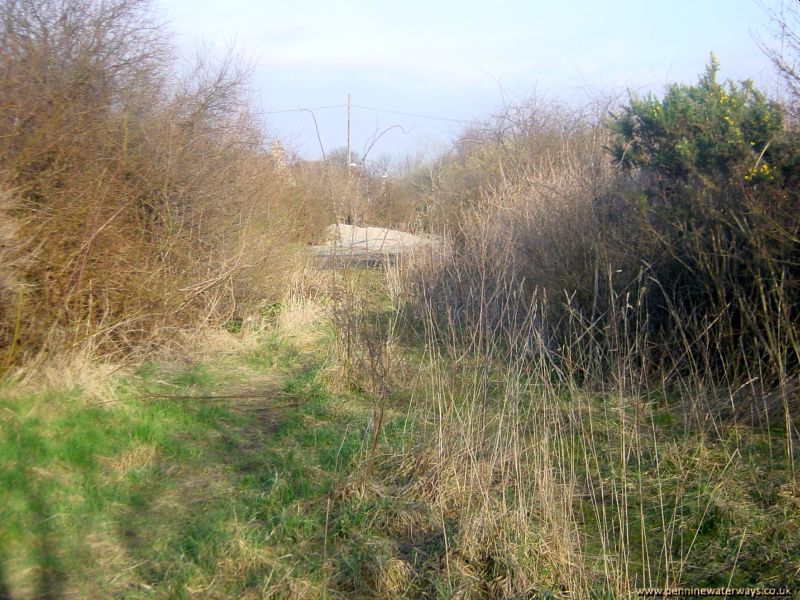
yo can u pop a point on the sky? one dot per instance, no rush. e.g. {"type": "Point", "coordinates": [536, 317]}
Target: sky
{"type": "Point", "coordinates": [459, 61]}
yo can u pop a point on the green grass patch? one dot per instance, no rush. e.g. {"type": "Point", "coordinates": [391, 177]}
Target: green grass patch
{"type": "Point", "coordinates": [247, 476]}
{"type": "Point", "coordinates": [177, 496]}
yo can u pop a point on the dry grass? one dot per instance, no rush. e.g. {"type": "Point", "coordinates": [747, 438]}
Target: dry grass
{"type": "Point", "coordinates": [540, 483]}
{"type": "Point", "coordinates": [565, 444]}
{"type": "Point", "coordinates": [79, 371]}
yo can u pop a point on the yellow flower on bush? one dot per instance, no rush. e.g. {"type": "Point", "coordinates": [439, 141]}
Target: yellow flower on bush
{"type": "Point", "coordinates": [760, 171]}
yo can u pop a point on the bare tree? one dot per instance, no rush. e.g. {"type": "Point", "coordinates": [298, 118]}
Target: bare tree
{"type": "Point", "coordinates": [785, 54]}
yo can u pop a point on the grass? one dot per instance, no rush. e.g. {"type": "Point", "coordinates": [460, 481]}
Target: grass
{"type": "Point", "coordinates": [184, 495]}
{"type": "Point", "coordinates": [251, 473]}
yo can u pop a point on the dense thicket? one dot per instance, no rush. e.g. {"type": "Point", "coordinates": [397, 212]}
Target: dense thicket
{"type": "Point", "coordinates": [712, 176]}
{"type": "Point", "coordinates": [668, 230]}
{"type": "Point", "coordinates": [137, 197]}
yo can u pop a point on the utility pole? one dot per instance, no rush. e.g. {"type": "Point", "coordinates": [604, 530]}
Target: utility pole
{"type": "Point", "coordinates": [349, 146]}
{"type": "Point", "coordinates": [349, 160]}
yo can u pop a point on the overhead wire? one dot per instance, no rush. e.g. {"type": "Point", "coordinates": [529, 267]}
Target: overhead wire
{"type": "Point", "coordinates": [290, 110]}
{"type": "Point", "coordinates": [372, 108]}
{"type": "Point", "coordinates": [409, 114]}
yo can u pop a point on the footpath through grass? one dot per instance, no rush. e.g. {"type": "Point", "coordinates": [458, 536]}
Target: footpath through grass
{"type": "Point", "coordinates": [255, 474]}
{"type": "Point", "coordinates": [209, 480]}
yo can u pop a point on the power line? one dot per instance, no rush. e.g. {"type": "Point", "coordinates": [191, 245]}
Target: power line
{"type": "Point", "coordinates": [408, 114]}
{"type": "Point", "coordinates": [290, 110]}
{"type": "Point", "coordinates": [381, 110]}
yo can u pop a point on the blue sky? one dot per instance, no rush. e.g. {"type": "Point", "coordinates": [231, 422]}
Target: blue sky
{"type": "Point", "coordinates": [461, 60]}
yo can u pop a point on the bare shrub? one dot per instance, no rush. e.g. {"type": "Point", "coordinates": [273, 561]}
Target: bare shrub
{"type": "Point", "coordinates": [144, 205]}
{"type": "Point", "coordinates": [521, 200]}
{"type": "Point", "coordinates": [785, 30]}
{"type": "Point", "coordinates": [11, 289]}
{"type": "Point", "coordinates": [365, 339]}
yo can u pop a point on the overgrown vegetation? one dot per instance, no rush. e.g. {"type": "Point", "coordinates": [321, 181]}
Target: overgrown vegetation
{"type": "Point", "coordinates": [138, 197]}
{"type": "Point", "coordinates": [681, 212]}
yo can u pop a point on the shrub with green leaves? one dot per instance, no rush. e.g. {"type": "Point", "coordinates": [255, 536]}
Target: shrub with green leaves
{"type": "Point", "coordinates": [714, 174]}
{"type": "Point", "coordinates": [711, 131]}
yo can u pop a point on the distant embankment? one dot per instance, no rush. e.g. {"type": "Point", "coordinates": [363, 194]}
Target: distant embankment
{"type": "Point", "coordinates": [369, 246]}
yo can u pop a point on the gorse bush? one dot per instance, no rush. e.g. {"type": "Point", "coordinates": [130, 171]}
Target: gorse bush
{"type": "Point", "coordinates": [709, 130]}
{"type": "Point", "coordinates": [711, 175]}
{"type": "Point", "coordinates": [140, 197]}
